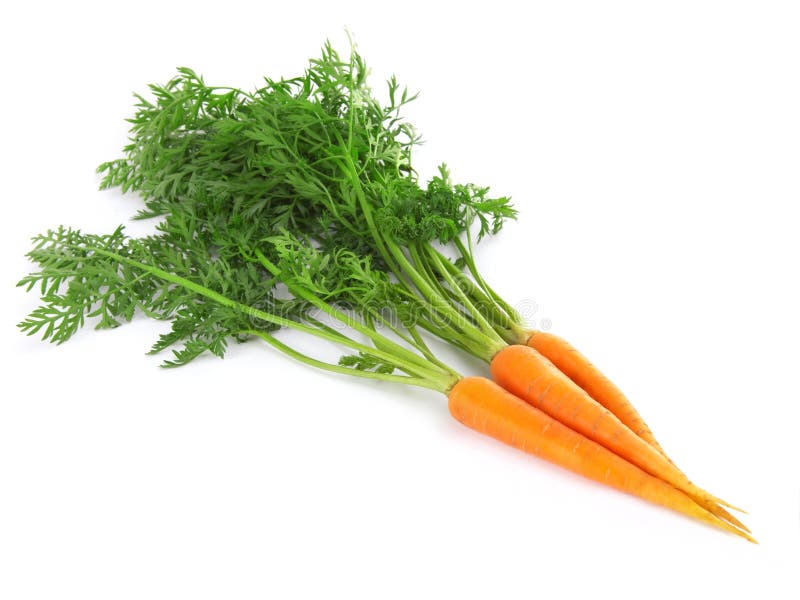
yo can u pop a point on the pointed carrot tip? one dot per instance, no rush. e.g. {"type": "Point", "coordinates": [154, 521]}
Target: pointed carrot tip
{"type": "Point", "coordinates": [746, 535]}
{"type": "Point", "coordinates": [731, 528]}
{"type": "Point", "coordinates": [732, 507]}
{"type": "Point", "coordinates": [734, 521]}
{"type": "Point", "coordinates": [728, 505]}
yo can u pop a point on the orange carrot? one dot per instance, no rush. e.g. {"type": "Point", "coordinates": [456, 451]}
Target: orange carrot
{"type": "Point", "coordinates": [482, 405]}
{"type": "Point", "coordinates": [524, 372]}
{"type": "Point", "coordinates": [578, 368]}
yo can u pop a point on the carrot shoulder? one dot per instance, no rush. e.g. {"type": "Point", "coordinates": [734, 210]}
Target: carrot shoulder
{"type": "Point", "coordinates": [484, 406]}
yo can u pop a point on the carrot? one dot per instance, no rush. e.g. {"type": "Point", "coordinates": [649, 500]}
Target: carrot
{"type": "Point", "coordinates": [588, 377]}
{"type": "Point", "coordinates": [578, 368]}
{"type": "Point", "coordinates": [524, 372]}
{"type": "Point", "coordinates": [484, 406]}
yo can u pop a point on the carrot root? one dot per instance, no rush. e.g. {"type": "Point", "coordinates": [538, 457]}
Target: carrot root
{"type": "Point", "coordinates": [485, 407]}
{"type": "Point", "coordinates": [579, 369]}
{"type": "Point", "coordinates": [589, 378]}
{"type": "Point", "coordinates": [524, 372]}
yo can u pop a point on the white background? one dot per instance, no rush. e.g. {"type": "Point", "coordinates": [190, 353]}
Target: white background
{"type": "Point", "coordinates": [652, 149]}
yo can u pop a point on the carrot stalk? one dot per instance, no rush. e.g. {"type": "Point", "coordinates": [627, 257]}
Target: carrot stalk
{"type": "Point", "coordinates": [485, 407]}
{"type": "Point", "coordinates": [524, 372]}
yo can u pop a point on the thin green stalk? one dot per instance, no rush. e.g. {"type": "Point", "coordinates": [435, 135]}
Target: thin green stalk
{"type": "Point", "coordinates": [468, 255]}
{"type": "Point", "coordinates": [486, 304]}
{"type": "Point", "coordinates": [323, 326]}
{"type": "Point", "coordinates": [415, 340]}
{"type": "Point", "coordinates": [399, 360]}
{"type": "Point", "coordinates": [423, 347]}
{"type": "Point", "coordinates": [381, 343]}
{"type": "Point", "coordinates": [465, 301]}
{"type": "Point", "coordinates": [499, 321]}
{"type": "Point", "coordinates": [440, 384]}
{"type": "Point", "coordinates": [408, 356]}
{"type": "Point", "coordinates": [370, 316]}
{"type": "Point", "coordinates": [448, 293]}
{"type": "Point", "coordinates": [479, 295]}
{"type": "Point", "coordinates": [455, 301]}
{"type": "Point", "coordinates": [436, 314]}
{"type": "Point", "coordinates": [430, 319]}
{"type": "Point", "coordinates": [485, 342]}
{"type": "Point", "coordinates": [424, 269]}
{"type": "Point", "coordinates": [467, 345]}
{"type": "Point", "coordinates": [367, 211]}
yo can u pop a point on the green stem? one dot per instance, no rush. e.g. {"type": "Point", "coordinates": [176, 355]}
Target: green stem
{"type": "Point", "coordinates": [461, 342]}
{"type": "Point", "coordinates": [352, 172]}
{"type": "Point", "coordinates": [485, 326]}
{"type": "Point", "coordinates": [371, 315]}
{"type": "Point", "coordinates": [424, 315]}
{"type": "Point", "coordinates": [413, 339]}
{"type": "Point", "coordinates": [468, 255]}
{"type": "Point", "coordinates": [320, 325]}
{"type": "Point", "coordinates": [452, 308]}
{"type": "Point", "coordinates": [441, 384]}
{"type": "Point", "coordinates": [386, 345]}
{"type": "Point", "coordinates": [400, 361]}
{"type": "Point", "coordinates": [424, 269]}
{"type": "Point", "coordinates": [380, 343]}
{"type": "Point", "coordinates": [424, 347]}
{"type": "Point", "coordinates": [489, 307]}
{"type": "Point", "coordinates": [452, 317]}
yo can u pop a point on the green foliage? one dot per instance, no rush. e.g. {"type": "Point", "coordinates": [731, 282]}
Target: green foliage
{"type": "Point", "coordinates": [293, 154]}
{"type": "Point", "coordinates": [340, 276]}
{"type": "Point", "coordinates": [76, 282]}
{"type": "Point", "coordinates": [317, 155]}
{"type": "Point", "coordinates": [276, 203]}
{"type": "Point", "coordinates": [365, 362]}
{"type": "Point", "coordinates": [441, 212]}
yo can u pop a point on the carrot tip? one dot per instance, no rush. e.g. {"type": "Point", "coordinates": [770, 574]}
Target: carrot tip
{"type": "Point", "coordinates": [712, 505]}
{"type": "Point", "coordinates": [740, 533]}
{"type": "Point", "coordinates": [729, 505]}
{"type": "Point", "coordinates": [732, 520]}
{"type": "Point", "coordinates": [745, 534]}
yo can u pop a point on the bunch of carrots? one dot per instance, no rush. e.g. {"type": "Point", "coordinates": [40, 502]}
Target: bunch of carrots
{"type": "Point", "coordinates": [296, 206]}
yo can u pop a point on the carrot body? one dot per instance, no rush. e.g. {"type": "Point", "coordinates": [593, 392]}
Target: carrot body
{"type": "Point", "coordinates": [484, 406]}
{"type": "Point", "coordinates": [589, 378]}
{"type": "Point", "coordinates": [524, 372]}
